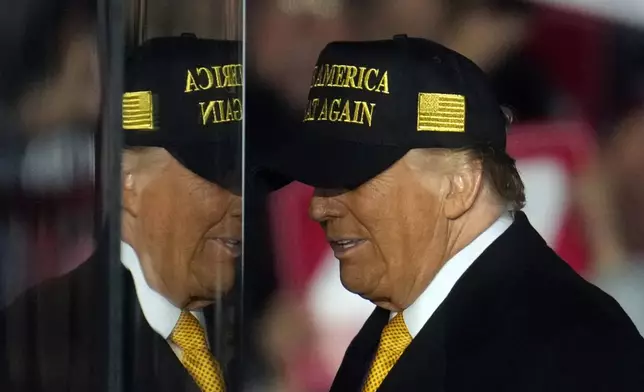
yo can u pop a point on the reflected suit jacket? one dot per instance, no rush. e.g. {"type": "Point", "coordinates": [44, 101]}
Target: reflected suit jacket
{"type": "Point", "coordinates": [55, 338]}
{"type": "Point", "coordinates": [519, 319]}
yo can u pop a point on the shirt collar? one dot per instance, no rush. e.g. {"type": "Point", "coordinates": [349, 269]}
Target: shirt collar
{"type": "Point", "coordinates": [426, 304]}
{"type": "Point", "coordinates": [160, 313]}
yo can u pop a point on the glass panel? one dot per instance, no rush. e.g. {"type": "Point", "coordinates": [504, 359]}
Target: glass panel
{"type": "Point", "coordinates": [56, 200]}
{"type": "Point", "coordinates": [181, 214]}
{"type": "Point", "coordinates": [120, 225]}
{"type": "Point", "coordinates": [283, 247]}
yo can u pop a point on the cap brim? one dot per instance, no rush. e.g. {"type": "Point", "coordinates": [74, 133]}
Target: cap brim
{"type": "Point", "coordinates": [332, 164]}
{"type": "Point", "coordinates": [219, 162]}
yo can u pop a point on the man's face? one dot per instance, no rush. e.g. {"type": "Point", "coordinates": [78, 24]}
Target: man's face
{"type": "Point", "coordinates": [389, 234]}
{"type": "Point", "coordinates": [185, 230]}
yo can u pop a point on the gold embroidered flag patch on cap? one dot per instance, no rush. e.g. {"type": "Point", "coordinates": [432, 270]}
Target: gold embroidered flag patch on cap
{"type": "Point", "coordinates": [138, 110]}
{"type": "Point", "coordinates": [441, 112]}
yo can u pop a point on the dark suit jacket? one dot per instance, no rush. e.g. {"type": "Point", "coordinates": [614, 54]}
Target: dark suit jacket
{"type": "Point", "coordinates": [519, 319]}
{"type": "Point", "coordinates": [55, 338]}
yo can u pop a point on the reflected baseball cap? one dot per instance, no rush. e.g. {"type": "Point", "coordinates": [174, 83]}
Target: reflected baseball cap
{"type": "Point", "coordinates": [184, 94]}
{"type": "Point", "coordinates": [371, 102]}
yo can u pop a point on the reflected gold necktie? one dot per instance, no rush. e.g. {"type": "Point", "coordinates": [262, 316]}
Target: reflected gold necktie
{"type": "Point", "coordinates": [197, 359]}
{"type": "Point", "coordinates": [394, 340]}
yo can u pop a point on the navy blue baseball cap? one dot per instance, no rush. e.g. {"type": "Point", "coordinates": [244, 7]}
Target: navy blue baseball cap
{"type": "Point", "coordinates": [184, 94]}
{"type": "Point", "coordinates": [371, 102]}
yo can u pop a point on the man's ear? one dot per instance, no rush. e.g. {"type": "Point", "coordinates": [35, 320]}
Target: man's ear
{"type": "Point", "coordinates": [130, 195]}
{"type": "Point", "coordinates": [465, 183]}
{"type": "Point", "coordinates": [130, 184]}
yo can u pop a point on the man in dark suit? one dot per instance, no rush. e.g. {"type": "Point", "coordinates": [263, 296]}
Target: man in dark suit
{"type": "Point", "coordinates": [181, 229]}
{"type": "Point", "coordinates": [405, 144]}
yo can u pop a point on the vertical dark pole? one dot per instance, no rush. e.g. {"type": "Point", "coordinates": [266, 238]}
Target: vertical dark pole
{"type": "Point", "coordinates": [241, 313]}
{"type": "Point", "coordinates": [134, 28]}
{"type": "Point", "coordinates": [112, 38]}
{"type": "Point", "coordinates": [142, 21]}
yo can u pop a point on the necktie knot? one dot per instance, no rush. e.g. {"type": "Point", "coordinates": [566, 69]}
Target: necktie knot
{"type": "Point", "coordinates": [395, 336]}
{"type": "Point", "coordinates": [188, 333]}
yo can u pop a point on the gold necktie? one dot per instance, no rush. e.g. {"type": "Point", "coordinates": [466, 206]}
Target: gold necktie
{"type": "Point", "coordinates": [394, 340]}
{"type": "Point", "coordinates": [196, 358]}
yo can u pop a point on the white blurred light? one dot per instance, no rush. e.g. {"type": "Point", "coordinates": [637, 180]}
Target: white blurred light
{"type": "Point", "coordinates": [547, 190]}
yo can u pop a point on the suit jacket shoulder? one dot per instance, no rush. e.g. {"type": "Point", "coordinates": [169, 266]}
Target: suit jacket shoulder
{"type": "Point", "coordinates": [54, 328]}
{"type": "Point", "coordinates": [55, 338]}
{"type": "Point", "coordinates": [540, 321]}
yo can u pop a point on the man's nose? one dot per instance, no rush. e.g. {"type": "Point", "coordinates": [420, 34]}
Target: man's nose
{"type": "Point", "coordinates": [323, 205]}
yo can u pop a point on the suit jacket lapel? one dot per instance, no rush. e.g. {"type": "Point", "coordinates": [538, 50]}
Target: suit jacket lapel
{"type": "Point", "coordinates": [219, 328]}
{"type": "Point", "coordinates": [212, 328]}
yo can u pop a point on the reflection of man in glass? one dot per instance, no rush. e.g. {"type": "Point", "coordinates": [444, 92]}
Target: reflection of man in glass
{"type": "Point", "coordinates": [181, 221]}
{"type": "Point", "coordinates": [181, 230]}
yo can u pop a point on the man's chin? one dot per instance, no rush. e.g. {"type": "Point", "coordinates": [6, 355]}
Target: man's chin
{"type": "Point", "coordinates": [197, 304]}
{"type": "Point", "coordinates": [212, 279]}
{"type": "Point", "coordinates": [208, 295]}
{"type": "Point", "coordinates": [355, 286]}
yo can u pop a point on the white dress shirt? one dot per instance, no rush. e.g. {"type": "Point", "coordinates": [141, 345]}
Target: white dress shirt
{"type": "Point", "coordinates": [426, 304]}
{"type": "Point", "coordinates": [161, 314]}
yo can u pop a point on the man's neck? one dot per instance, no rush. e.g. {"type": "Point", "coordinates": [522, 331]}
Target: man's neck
{"type": "Point", "coordinates": [440, 287]}
{"type": "Point", "coordinates": [461, 233]}
{"type": "Point", "coordinates": [467, 228]}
